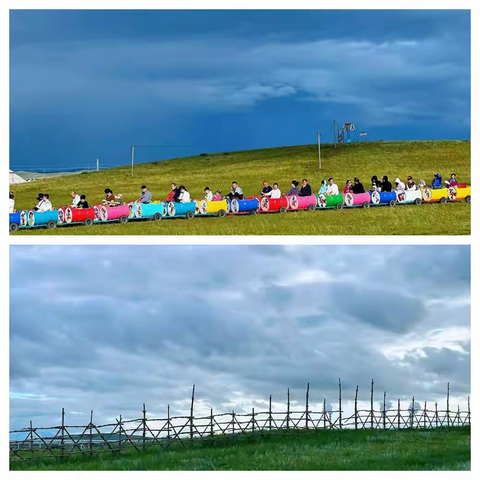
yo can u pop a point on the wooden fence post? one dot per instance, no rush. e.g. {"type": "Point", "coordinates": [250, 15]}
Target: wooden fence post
{"type": "Point", "coordinates": [270, 413]}
{"type": "Point", "coordinates": [458, 416]}
{"type": "Point", "coordinates": [436, 414]}
{"type": "Point", "coordinates": [371, 405]}
{"type": "Point", "coordinates": [233, 421]}
{"type": "Point", "coordinates": [288, 408]}
{"type": "Point", "coordinates": [168, 424]}
{"type": "Point", "coordinates": [144, 433]}
{"type": "Point", "coordinates": [340, 403]}
{"type": "Point", "coordinates": [306, 406]}
{"type": "Point", "coordinates": [31, 438]}
{"type": "Point", "coordinates": [191, 413]}
{"type": "Point", "coordinates": [253, 420]}
{"type": "Point", "coordinates": [356, 409]}
{"type": "Point", "coordinates": [62, 442]}
{"type": "Point", "coordinates": [398, 414]}
{"type": "Point", "coordinates": [384, 410]}
{"type": "Point", "coordinates": [448, 404]}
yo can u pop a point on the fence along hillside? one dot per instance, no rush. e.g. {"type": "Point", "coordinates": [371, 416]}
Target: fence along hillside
{"type": "Point", "coordinates": [143, 433]}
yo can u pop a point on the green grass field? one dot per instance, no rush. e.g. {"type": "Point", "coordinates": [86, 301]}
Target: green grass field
{"type": "Point", "coordinates": [435, 449]}
{"type": "Point", "coordinates": [251, 168]}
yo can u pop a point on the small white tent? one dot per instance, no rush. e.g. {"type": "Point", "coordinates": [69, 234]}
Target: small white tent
{"type": "Point", "coordinates": [14, 178]}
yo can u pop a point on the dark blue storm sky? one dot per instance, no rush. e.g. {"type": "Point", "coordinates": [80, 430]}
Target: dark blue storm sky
{"type": "Point", "coordinates": [88, 84]}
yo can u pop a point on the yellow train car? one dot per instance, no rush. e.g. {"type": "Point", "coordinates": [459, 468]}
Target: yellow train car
{"type": "Point", "coordinates": [460, 192]}
{"type": "Point", "coordinates": [439, 195]}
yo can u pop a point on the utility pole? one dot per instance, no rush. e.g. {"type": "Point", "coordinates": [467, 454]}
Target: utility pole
{"type": "Point", "coordinates": [97, 166]}
{"type": "Point", "coordinates": [133, 157]}
{"type": "Point", "coordinates": [319, 156]}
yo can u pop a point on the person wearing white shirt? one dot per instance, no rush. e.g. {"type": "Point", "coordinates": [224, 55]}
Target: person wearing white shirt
{"type": "Point", "coordinates": [275, 192]}
{"type": "Point", "coordinates": [332, 188]}
{"type": "Point", "coordinates": [75, 199]}
{"type": "Point", "coordinates": [11, 202]}
{"type": "Point", "coordinates": [184, 196]}
{"type": "Point", "coordinates": [45, 205]}
{"type": "Point", "coordinates": [208, 194]}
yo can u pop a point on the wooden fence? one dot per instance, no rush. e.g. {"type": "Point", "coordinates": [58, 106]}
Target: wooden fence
{"type": "Point", "coordinates": [144, 433]}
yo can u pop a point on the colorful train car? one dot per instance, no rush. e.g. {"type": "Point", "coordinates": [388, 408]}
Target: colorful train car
{"type": "Point", "coordinates": [70, 216]}
{"type": "Point", "coordinates": [357, 200]}
{"type": "Point", "coordinates": [249, 206]}
{"type": "Point", "coordinates": [273, 204]}
{"type": "Point", "coordinates": [186, 210]}
{"type": "Point", "coordinates": [148, 211]}
{"type": "Point", "coordinates": [383, 198]}
{"type": "Point", "coordinates": [114, 214]}
{"type": "Point", "coordinates": [295, 202]}
{"type": "Point", "coordinates": [460, 192]}
{"type": "Point", "coordinates": [14, 221]}
{"type": "Point", "coordinates": [330, 201]}
{"type": "Point", "coordinates": [409, 196]}
{"type": "Point", "coordinates": [218, 208]}
{"type": "Point", "coordinates": [430, 195]}
{"type": "Point", "coordinates": [42, 219]}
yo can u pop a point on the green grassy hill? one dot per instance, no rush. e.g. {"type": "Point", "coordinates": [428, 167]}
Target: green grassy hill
{"type": "Point", "coordinates": [251, 168]}
{"type": "Point", "coordinates": [435, 449]}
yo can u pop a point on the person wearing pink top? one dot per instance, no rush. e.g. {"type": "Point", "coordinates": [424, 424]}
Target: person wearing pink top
{"type": "Point", "coordinates": [218, 196]}
{"type": "Point", "coordinates": [348, 188]}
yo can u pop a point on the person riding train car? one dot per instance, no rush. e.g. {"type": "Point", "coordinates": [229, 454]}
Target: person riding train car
{"type": "Point", "coordinates": [452, 182]}
{"type": "Point", "coordinates": [410, 184]}
{"type": "Point", "coordinates": [386, 184]}
{"type": "Point", "coordinates": [83, 202]}
{"type": "Point", "coordinates": [376, 184]}
{"type": "Point", "coordinates": [174, 193]}
{"type": "Point", "coordinates": [399, 185]}
{"type": "Point", "coordinates": [11, 202]}
{"type": "Point", "coordinates": [357, 186]}
{"type": "Point", "coordinates": [332, 188]}
{"type": "Point", "coordinates": [109, 199]}
{"type": "Point", "coordinates": [236, 192]}
{"type": "Point", "coordinates": [75, 198]}
{"type": "Point", "coordinates": [275, 192]}
{"type": "Point", "coordinates": [265, 192]}
{"type": "Point", "coordinates": [208, 194]}
{"type": "Point", "coordinates": [348, 188]}
{"type": "Point", "coordinates": [294, 190]}
{"type": "Point", "coordinates": [184, 196]}
{"type": "Point", "coordinates": [43, 203]}
{"type": "Point", "coordinates": [436, 182]}
{"type": "Point", "coordinates": [146, 196]}
{"type": "Point", "coordinates": [323, 187]}
{"type": "Point", "coordinates": [306, 190]}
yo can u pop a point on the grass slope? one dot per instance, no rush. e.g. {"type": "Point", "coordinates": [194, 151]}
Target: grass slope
{"type": "Point", "coordinates": [435, 449]}
{"type": "Point", "coordinates": [251, 168]}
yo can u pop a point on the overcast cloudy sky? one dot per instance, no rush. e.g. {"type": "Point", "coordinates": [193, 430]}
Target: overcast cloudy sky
{"type": "Point", "coordinates": [88, 84]}
{"type": "Point", "coordinates": [110, 327]}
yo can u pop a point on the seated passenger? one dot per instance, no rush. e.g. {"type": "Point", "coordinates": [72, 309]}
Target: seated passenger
{"type": "Point", "coordinates": [421, 183]}
{"type": "Point", "coordinates": [436, 182]}
{"type": "Point", "coordinates": [11, 202]}
{"type": "Point", "coordinates": [323, 187]}
{"type": "Point", "coordinates": [236, 192]}
{"type": "Point", "coordinates": [386, 185]}
{"type": "Point", "coordinates": [348, 188]}
{"type": "Point", "coordinates": [275, 193]}
{"type": "Point", "coordinates": [146, 196]}
{"type": "Point", "coordinates": [184, 196]}
{"type": "Point", "coordinates": [39, 205]}
{"type": "Point", "coordinates": [332, 188]}
{"type": "Point", "coordinates": [453, 181]}
{"type": "Point", "coordinates": [266, 190]}
{"type": "Point", "coordinates": [357, 186]}
{"type": "Point", "coordinates": [109, 198]}
{"type": "Point", "coordinates": [83, 202]}
{"type": "Point", "coordinates": [306, 190]}
{"type": "Point", "coordinates": [218, 196]}
{"type": "Point", "coordinates": [75, 199]}
{"type": "Point", "coordinates": [174, 193]}
{"type": "Point", "coordinates": [410, 184]}
{"type": "Point", "coordinates": [46, 205]}
{"type": "Point", "coordinates": [376, 184]}
{"type": "Point", "coordinates": [208, 194]}
{"type": "Point", "coordinates": [294, 190]}
{"type": "Point", "coordinates": [399, 185]}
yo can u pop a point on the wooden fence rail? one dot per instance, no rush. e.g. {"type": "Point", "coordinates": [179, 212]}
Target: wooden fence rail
{"type": "Point", "coordinates": [141, 434]}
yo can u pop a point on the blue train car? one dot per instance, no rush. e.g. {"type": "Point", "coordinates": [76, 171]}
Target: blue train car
{"type": "Point", "coordinates": [14, 221]}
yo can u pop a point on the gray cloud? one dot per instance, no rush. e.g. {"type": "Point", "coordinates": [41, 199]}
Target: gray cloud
{"type": "Point", "coordinates": [109, 328]}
